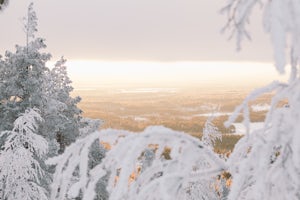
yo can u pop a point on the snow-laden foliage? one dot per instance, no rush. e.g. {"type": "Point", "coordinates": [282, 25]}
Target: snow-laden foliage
{"type": "Point", "coordinates": [61, 109]}
{"type": "Point", "coordinates": [281, 20]}
{"type": "Point", "coordinates": [157, 163]}
{"type": "Point", "coordinates": [20, 171]}
{"type": "Point", "coordinates": [22, 76]}
{"type": "Point", "coordinates": [211, 133]}
{"type": "Point", "coordinates": [72, 172]}
{"type": "Point", "coordinates": [21, 81]}
{"type": "Point", "coordinates": [89, 125]}
{"type": "Point", "coordinates": [266, 163]}
{"type": "Point", "coordinates": [30, 23]}
{"type": "Point", "coordinates": [26, 82]}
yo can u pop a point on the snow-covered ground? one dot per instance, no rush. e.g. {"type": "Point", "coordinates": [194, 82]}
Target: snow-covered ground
{"type": "Point", "coordinates": [240, 128]}
{"type": "Point", "coordinates": [260, 107]}
{"type": "Point", "coordinates": [217, 114]}
{"type": "Point", "coordinates": [140, 119]}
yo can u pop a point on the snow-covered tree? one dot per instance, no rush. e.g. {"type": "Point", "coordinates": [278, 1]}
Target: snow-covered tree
{"type": "Point", "coordinates": [266, 164]}
{"type": "Point", "coordinates": [21, 80]}
{"type": "Point", "coordinates": [22, 76]}
{"type": "Point", "coordinates": [157, 163]}
{"type": "Point", "coordinates": [21, 155]}
{"type": "Point", "coordinates": [30, 24]}
{"type": "Point", "coordinates": [26, 82]}
{"type": "Point", "coordinates": [211, 133]}
{"type": "Point", "coordinates": [61, 109]}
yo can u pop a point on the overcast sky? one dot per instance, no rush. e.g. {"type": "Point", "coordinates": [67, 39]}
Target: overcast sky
{"type": "Point", "coordinates": [133, 30]}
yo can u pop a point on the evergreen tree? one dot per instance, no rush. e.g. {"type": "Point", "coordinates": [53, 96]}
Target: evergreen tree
{"type": "Point", "coordinates": [211, 133]}
{"type": "Point", "coordinates": [21, 174]}
{"type": "Point", "coordinates": [21, 79]}
{"type": "Point", "coordinates": [23, 75]}
{"type": "Point", "coordinates": [62, 108]}
{"type": "Point", "coordinates": [26, 82]}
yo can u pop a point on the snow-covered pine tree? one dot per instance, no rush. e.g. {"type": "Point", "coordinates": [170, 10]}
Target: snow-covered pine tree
{"type": "Point", "coordinates": [61, 109]}
{"type": "Point", "coordinates": [26, 82]}
{"type": "Point", "coordinates": [21, 174]}
{"type": "Point", "coordinates": [22, 76]}
{"type": "Point", "coordinates": [211, 133]}
{"type": "Point", "coordinates": [266, 163]}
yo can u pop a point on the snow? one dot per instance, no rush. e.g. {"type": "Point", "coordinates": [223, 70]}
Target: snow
{"type": "Point", "coordinates": [210, 133]}
{"type": "Point", "coordinates": [23, 151]}
{"type": "Point", "coordinates": [240, 128]}
{"type": "Point", "coordinates": [217, 114]}
{"type": "Point", "coordinates": [160, 163]}
{"type": "Point", "coordinates": [260, 107]}
{"type": "Point", "coordinates": [265, 164]}
{"type": "Point", "coordinates": [140, 119]}
{"type": "Point", "coordinates": [189, 162]}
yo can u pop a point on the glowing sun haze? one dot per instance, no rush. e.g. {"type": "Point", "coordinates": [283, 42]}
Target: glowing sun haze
{"type": "Point", "coordinates": [95, 74]}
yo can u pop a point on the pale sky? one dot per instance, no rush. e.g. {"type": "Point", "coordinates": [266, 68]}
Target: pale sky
{"type": "Point", "coordinates": [168, 40]}
{"type": "Point", "coordinates": [143, 30]}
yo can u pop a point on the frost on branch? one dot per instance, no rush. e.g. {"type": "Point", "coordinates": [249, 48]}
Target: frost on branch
{"type": "Point", "coordinates": [244, 107]}
{"type": "Point", "coordinates": [156, 164]}
{"type": "Point", "coordinates": [21, 173]}
{"type": "Point", "coordinates": [238, 14]}
{"type": "Point", "coordinates": [281, 21]}
{"type": "Point", "coordinates": [266, 163]}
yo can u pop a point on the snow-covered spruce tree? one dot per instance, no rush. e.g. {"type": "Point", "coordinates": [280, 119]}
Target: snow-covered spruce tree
{"type": "Point", "coordinates": [21, 155]}
{"type": "Point", "coordinates": [157, 163]}
{"type": "Point", "coordinates": [211, 133]}
{"type": "Point", "coordinates": [22, 76]}
{"type": "Point", "coordinates": [61, 109]}
{"type": "Point", "coordinates": [266, 163]}
{"type": "Point", "coordinates": [26, 82]}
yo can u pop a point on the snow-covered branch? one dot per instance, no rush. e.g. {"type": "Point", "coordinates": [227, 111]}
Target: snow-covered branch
{"type": "Point", "coordinates": [266, 164]}
{"type": "Point", "coordinates": [158, 162]}
{"type": "Point", "coordinates": [281, 20]}
{"type": "Point", "coordinates": [20, 172]}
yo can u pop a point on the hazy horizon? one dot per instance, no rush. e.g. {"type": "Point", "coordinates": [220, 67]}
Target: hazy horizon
{"type": "Point", "coordinates": [97, 74]}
